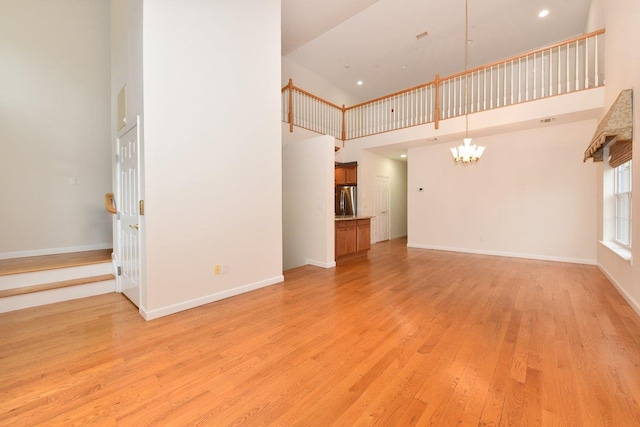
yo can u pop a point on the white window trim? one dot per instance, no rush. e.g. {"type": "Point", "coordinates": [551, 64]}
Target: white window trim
{"type": "Point", "coordinates": [627, 194]}
{"type": "Point", "coordinates": [622, 251]}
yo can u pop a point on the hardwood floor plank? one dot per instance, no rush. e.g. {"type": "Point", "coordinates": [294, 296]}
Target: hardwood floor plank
{"type": "Point", "coordinates": [400, 337]}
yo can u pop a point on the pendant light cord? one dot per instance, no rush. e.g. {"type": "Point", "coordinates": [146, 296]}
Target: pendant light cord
{"type": "Point", "coordinates": [466, 66]}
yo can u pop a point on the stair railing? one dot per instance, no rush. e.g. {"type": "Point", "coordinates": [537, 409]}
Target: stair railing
{"type": "Point", "coordinates": [566, 67]}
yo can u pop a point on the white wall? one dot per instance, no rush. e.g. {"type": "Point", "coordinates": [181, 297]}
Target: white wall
{"type": "Point", "coordinates": [530, 196]}
{"type": "Point", "coordinates": [213, 150]}
{"type": "Point", "coordinates": [312, 82]}
{"type": "Point", "coordinates": [371, 165]}
{"type": "Point", "coordinates": [622, 65]}
{"type": "Point", "coordinates": [54, 125]}
{"type": "Point", "coordinates": [126, 57]}
{"type": "Point", "coordinates": [307, 197]}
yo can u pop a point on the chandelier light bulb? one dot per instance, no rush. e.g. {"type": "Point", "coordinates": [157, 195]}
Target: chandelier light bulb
{"type": "Point", "coordinates": [467, 152]}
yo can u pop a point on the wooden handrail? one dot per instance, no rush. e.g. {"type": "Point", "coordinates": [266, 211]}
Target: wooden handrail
{"type": "Point", "coordinates": [402, 92]}
{"type": "Point", "coordinates": [479, 68]}
{"type": "Point", "coordinates": [524, 55]}
{"type": "Point", "coordinates": [110, 203]}
{"type": "Point", "coordinates": [310, 95]}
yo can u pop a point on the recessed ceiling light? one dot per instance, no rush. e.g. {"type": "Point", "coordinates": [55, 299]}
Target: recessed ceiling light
{"type": "Point", "coordinates": [543, 13]}
{"type": "Point", "coordinates": [404, 156]}
{"type": "Point", "coordinates": [347, 66]}
{"type": "Point", "coordinates": [404, 66]}
{"type": "Point", "coordinates": [360, 83]}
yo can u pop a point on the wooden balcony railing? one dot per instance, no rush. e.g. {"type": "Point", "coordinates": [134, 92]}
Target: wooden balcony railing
{"type": "Point", "coordinates": [565, 67]}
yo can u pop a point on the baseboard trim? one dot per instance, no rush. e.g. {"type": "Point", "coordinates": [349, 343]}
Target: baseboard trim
{"type": "Point", "coordinates": [320, 264]}
{"type": "Point", "coordinates": [54, 251]}
{"type": "Point", "coordinates": [399, 236]}
{"type": "Point", "coordinates": [186, 305]}
{"type": "Point", "coordinates": [504, 254]}
{"type": "Point", "coordinates": [633, 303]}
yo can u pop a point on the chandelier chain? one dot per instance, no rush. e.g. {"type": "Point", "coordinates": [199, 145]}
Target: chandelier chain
{"type": "Point", "coordinates": [466, 67]}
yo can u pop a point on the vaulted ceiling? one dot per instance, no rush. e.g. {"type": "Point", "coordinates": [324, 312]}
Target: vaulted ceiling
{"type": "Point", "coordinates": [374, 41]}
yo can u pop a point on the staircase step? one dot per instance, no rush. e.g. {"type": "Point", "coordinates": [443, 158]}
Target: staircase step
{"type": "Point", "coordinates": [34, 281]}
{"type": "Point", "coordinates": [52, 262]}
{"type": "Point", "coordinates": [55, 285]}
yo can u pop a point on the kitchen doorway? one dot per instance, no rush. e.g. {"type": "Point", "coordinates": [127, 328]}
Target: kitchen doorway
{"type": "Point", "coordinates": [382, 203]}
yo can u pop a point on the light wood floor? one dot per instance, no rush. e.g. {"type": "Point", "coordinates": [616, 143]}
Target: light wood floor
{"type": "Point", "coordinates": [403, 337]}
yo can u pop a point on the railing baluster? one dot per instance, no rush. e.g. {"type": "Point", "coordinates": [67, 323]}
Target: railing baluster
{"type": "Point", "coordinates": [504, 84]}
{"type": "Point", "coordinates": [512, 82]}
{"type": "Point", "coordinates": [586, 63]}
{"type": "Point", "coordinates": [568, 82]}
{"type": "Point", "coordinates": [484, 90]}
{"type": "Point", "coordinates": [550, 72]}
{"type": "Point", "coordinates": [577, 70]}
{"type": "Point", "coordinates": [534, 77]}
{"type": "Point", "coordinates": [519, 80]}
{"type": "Point", "coordinates": [526, 89]}
{"type": "Point", "coordinates": [478, 91]}
{"type": "Point", "coordinates": [596, 80]}
{"type": "Point", "coordinates": [491, 91]}
{"type": "Point", "coordinates": [542, 74]}
{"type": "Point", "coordinates": [559, 72]}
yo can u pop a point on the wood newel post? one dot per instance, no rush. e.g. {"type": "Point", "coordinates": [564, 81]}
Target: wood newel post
{"type": "Point", "coordinates": [436, 118]}
{"type": "Point", "coordinates": [344, 130]}
{"type": "Point", "coordinates": [290, 105]}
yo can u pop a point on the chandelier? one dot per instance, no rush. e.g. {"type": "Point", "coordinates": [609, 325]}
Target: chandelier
{"type": "Point", "coordinates": [467, 152]}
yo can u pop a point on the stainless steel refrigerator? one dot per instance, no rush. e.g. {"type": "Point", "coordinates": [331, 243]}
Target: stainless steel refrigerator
{"type": "Point", "coordinates": [346, 197]}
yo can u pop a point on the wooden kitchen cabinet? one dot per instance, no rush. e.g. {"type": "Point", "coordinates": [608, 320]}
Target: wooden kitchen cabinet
{"type": "Point", "coordinates": [363, 235]}
{"type": "Point", "coordinates": [353, 236]}
{"type": "Point", "coordinates": [346, 238]}
{"type": "Point", "coordinates": [346, 175]}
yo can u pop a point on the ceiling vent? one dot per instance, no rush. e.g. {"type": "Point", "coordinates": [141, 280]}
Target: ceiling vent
{"type": "Point", "coordinates": [422, 35]}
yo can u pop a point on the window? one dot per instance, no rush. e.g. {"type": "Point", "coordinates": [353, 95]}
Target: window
{"type": "Point", "coordinates": [622, 191]}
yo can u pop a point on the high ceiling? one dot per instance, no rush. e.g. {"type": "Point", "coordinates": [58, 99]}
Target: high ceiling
{"type": "Point", "coordinates": [375, 40]}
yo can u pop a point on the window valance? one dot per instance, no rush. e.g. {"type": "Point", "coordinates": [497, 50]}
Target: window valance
{"type": "Point", "coordinates": [616, 125]}
{"type": "Point", "coordinates": [619, 153]}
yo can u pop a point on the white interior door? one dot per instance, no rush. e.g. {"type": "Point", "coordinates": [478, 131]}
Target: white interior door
{"type": "Point", "coordinates": [128, 197]}
{"type": "Point", "coordinates": [382, 202]}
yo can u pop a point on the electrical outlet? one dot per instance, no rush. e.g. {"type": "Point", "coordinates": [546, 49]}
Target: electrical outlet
{"type": "Point", "coordinates": [217, 270]}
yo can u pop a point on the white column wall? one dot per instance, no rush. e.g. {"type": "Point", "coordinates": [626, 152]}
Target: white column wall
{"type": "Point", "coordinates": [307, 195]}
{"type": "Point", "coordinates": [212, 150]}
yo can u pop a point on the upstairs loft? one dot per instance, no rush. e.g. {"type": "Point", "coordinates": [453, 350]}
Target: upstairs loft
{"type": "Point", "coordinates": [572, 67]}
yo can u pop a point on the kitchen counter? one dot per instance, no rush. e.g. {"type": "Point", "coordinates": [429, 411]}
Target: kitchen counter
{"type": "Point", "coordinates": [351, 217]}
